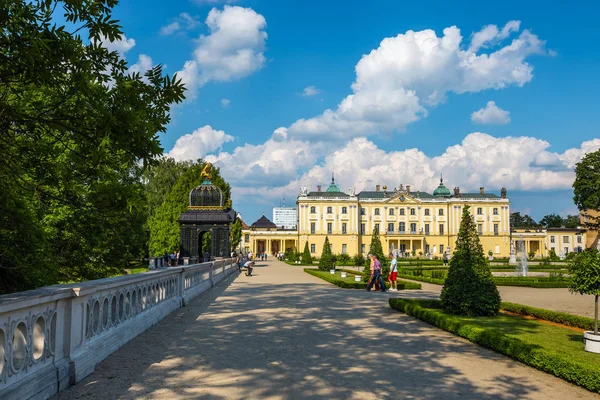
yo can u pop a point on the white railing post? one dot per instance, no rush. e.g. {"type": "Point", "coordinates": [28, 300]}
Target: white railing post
{"type": "Point", "coordinates": [211, 273]}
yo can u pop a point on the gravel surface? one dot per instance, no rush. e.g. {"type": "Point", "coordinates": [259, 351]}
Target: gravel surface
{"type": "Point", "coordinates": [284, 334]}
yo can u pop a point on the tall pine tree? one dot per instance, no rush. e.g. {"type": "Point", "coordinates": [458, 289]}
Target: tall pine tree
{"type": "Point", "coordinates": [469, 288]}
{"type": "Point", "coordinates": [326, 263]}
{"type": "Point", "coordinates": [306, 257]}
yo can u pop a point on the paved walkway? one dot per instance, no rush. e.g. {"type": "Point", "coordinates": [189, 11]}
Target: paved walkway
{"type": "Point", "coordinates": [284, 334]}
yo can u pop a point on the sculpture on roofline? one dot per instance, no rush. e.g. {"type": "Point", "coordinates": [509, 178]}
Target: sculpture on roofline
{"type": "Point", "coordinates": [205, 174]}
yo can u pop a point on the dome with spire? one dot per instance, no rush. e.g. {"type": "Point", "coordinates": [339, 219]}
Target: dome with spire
{"type": "Point", "coordinates": [441, 190]}
{"type": "Point", "coordinates": [333, 187]}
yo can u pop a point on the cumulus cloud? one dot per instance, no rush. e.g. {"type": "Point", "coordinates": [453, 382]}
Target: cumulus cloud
{"type": "Point", "coordinates": [183, 22]}
{"type": "Point", "coordinates": [233, 49]}
{"type": "Point", "coordinates": [310, 91]}
{"type": "Point", "coordinates": [143, 64]}
{"type": "Point", "coordinates": [121, 46]}
{"type": "Point", "coordinates": [398, 82]}
{"type": "Point", "coordinates": [199, 143]}
{"type": "Point", "coordinates": [225, 103]}
{"type": "Point", "coordinates": [491, 114]}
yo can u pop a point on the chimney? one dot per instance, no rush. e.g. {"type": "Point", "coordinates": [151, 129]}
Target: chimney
{"type": "Point", "coordinates": [407, 188]}
{"type": "Point", "coordinates": [319, 188]}
{"type": "Point", "coordinates": [482, 190]}
{"type": "Point", "coordinates": [377, 188]}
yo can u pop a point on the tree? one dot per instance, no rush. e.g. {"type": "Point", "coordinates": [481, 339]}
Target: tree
{"type": "Point", "coordinates": [376, 249]}
{"type": "Point", "coordinates": [586, 189]}
{"type": "Point", "coordinates": [306, 257]}
{"type": "Point", "coordinates": [469, 288]}
{"type": "Point", "coordinates": [572, 221]}
{"type": "Point", "coordinates": [326, 263]}
{"type": "Point", "coordinates": [236, 233]}
{"type": "Point", "coordinates": [522, 221]}
{"type": "Point", "coordinates": [552, 221]}
{"type": "Point", "coordinates": [585, 277]}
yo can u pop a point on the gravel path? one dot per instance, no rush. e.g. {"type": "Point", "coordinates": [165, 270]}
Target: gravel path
{"type": "Point", "coordinates": [284, 334]}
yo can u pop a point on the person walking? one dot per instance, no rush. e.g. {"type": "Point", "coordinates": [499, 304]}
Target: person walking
{"type": "Point", "coordinates": [265, 256]}
{"type": "Point", "coordinates": [393, 274]}
{"type": "Point", "coordinates": [445, 257]}
{"type": "Point", "coordinates": [376, 274]}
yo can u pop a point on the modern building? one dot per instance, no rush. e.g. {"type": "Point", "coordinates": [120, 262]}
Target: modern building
{"type": "Point", "coordinates": [285, 217]}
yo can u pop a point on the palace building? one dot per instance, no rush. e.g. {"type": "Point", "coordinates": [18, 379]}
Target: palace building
{"type": "Point", "coordinates": [410, 222]}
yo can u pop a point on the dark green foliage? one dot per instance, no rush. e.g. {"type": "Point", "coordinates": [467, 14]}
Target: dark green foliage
{"type": "Point", "coordinates": [522, 221]}
{"type": "Point", "coordinates": [585, 277]}
{"type": "Point", "coordinates": [469, 288]}
{"type": "Point", "coordinates": [236, 233]}
{"type": "Point", "coordinates": [376, 249]}
{"type": "Point", "coordinates": [556, 221]}
{"type": "Point", "coordinates": [586, 188]}
{"type": "Point", "coordinates": [536, 353]}
{"type": "Point", "coordinates": [343, 260]}
{"type": "Point", "coordinates": [358, 260]}
{"type": "Point", "coordinates": [306, 257]}
{"type": "Point", "coordinates": [553, 256]}
{"type": "Point", "coordinates": [326, 263]}
{"type": "Point", "coordinates": [349, 283]}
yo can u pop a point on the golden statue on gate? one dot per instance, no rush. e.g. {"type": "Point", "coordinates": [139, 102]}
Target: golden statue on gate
{"type": "Point", "coordinates": [205, 174]}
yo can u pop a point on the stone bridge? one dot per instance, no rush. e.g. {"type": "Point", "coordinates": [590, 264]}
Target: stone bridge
{"type": "Point", "coordinates": [280, 334]}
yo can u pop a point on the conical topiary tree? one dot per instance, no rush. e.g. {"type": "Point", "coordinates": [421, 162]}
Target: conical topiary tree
{"type": "Point", "coordinates": [326, 263]}
{"type": "Point", "coordinates": [376, 249]}
{"type": "Point", "coordinates": [306, 257]}
{"type": "Point", "coordinates": [469, 288]}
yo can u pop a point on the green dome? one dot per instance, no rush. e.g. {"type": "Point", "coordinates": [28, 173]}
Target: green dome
{"type": "Point", "coordinates": [333, 187]}
{"type": "Point", "coordinates": [441, 190]}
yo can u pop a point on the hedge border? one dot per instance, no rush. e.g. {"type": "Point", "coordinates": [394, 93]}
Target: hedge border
{"type": "Point", "coordinates": [584, 375]}
{"type": "Point", "coordinates": [402, 285]}
{"type": "Point", "coordinates": [552, 316]}
{"type": "Point", "coordinates": [500, 281]}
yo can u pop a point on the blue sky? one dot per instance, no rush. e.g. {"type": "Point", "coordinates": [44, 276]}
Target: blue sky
{"type": "Point", "coordinates": [418, 100]}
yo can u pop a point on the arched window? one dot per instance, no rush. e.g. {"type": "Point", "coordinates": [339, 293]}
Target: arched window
{"type": "Point", "coordinates": [329, 210]}
{"type": "Point", "coordinates": [362, 211]}
{"type": "Point", "coordinates": [480, 211]}
{"type": "Point", "coordinates": [427, 211]}
{"type": "Point", "coordinates": [391, 211]}
{"type": "Point", "coordinates": [412, 211]}
{"type": "Point", "coordinates": [441, 211]}
{"type": "Point", "coordinates": [402, 211]}
{"type": "Point", "coordinates": [313, 210]}
{"type": "Point", "coordinates": [377, 211]}
{"type": "Point", "coordinates": [344, 210]}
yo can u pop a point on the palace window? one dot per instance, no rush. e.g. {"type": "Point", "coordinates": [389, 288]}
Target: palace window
{"type": "Point", "coordinates": [495, 229]}
{"type": "Point", "coordinates": [480, 229]}
{"type": "Point", "coordinates": [480, 211]}
{"type": "Point", "coordinates": [552, 240]}
{"type": "Point", "coordinates": [312, 228]}
{"type": "Point", "coordinates": [377, 211]}
{"type": "Point", "coordinates": [344, 249]}
{"type": "Point", "coordinates": [402, 227]}
{"type": "Point", "coordinates": [329, 228]}
{"type": "Point", "coordinates": [441, 248]}
{"type": "Point", "coordinates": [313, 210]}
{"type": "Point", "coordinates": [246, 238]}
{"type": "Point", "coordinates": [427, 229]}
{"type": "Point", "coordinates": [441, 229]}
{"type": "Point", "coordinates": [344, 210]}
{"type": "Point", "coordinates": [362, 211]}
{"type": "Point", "coordinates": [441, 211]}
{"type": "Point", "coordinates": [390, 228]}
{"type": "Point", "coordinates": [362, 248]}
{"type": "Point", "coordinates": [565, 239]}
{"type": "Point", "coordinates": [313, 248]}
{"type": "Point", "coordinates": [413, 228]}
{"type": "Point", "coordinates": [377, 227]}
{"type": "Point", "coordinates": [579, 239]}
{"type": "Point", "coordinates": [343, 228]}
{"type": "Point", "coordinates": [391, 211]}
{"type": "Point", "coordinates": [412, 211]}
{"type": "Point", "coordinates": [427, 211]}
{"type": "Point", "coordinates": [362, 229]}
{"type": "Point", "coordinates": [402, 211]}
{"type": "Point", "coordinates": [329, 210]}
{"type": "Point", "coordinates": [495, 211]}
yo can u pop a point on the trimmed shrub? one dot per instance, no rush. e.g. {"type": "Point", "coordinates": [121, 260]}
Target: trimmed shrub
{"type": "Point", "coordinates": [306, 257]}
{"type": "Point", "coordinates": [358, 260]}
{"type": "Point", "coordinates": [469, 288]}
{"type": "Point", "coordinates": [338, 281]}
{"type": "Point", "coordinates": [343, 260]}
{"type": "Point", "coordinates": [561, 365]}
{"type": "Point", "coordinates": [326, 263]}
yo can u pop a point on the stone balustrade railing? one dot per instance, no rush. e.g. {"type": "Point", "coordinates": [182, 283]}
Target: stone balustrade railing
{"type": "Point", "coordinates": [52, 337]}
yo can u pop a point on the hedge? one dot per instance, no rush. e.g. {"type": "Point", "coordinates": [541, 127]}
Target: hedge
{"type": "Point", "coordinates": [552, 316]}
{"type": "Point", "coordinates": [545, 359]}
{"type": "Point", "coordinates": [542, 283]}
{"type": "Point", "coordinates": [336, 280]}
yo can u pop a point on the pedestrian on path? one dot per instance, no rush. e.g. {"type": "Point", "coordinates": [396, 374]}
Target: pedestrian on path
{"type": "Point", "coordinates": [445, 257]}
{"type": "Point", "coordinates": [376, 274]}
{"type": "Point", "coordinates": [393, 274]}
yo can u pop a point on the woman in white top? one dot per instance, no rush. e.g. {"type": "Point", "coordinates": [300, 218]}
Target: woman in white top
{"type": "Point", "coordinates": [393, 274]}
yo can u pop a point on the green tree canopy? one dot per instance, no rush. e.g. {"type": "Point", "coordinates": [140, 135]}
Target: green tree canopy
{"type": "Point", "coordinates": [585, 277]}
{"type": "Point", "coordinates": [586, 189]}
{"type": "Point", "coordinates": [522, 221]}
{"type": "Point", "coordinates": [469, 288]}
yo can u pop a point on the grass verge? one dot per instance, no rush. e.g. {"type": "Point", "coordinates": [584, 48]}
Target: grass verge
{"type": "Point", "coordinates": [349, 283]}
{"type": "Point", "coordinates": [558, 351]}
{"type": "Point", "coordinates": [553, 316]}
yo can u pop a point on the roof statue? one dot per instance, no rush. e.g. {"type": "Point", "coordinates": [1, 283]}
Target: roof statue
{"type": "Point", "coordinates": [205, 174]}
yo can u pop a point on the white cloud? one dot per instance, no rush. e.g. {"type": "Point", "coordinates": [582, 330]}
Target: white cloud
{"type": "Point", "coordinates": [121, 46]}
{"type": "Point", "coordinates": [225, 103]}
{"type": "Point", "coordinates": [199, 143]}
{"type": "Point", "coordinates": [233, 49]}
{"type": "Point", "coordinates": [491, 114]}
{"type": "Point", "coordinates": [183, 22]}
{"type": "Point", "coordinates": [310, 91]}
{"type": "Point", "coordinates": [489, 35]}
{"type": "Point", "coordinates": [143, 64]}
{"type": "Point", "coordinates": [398, 82]}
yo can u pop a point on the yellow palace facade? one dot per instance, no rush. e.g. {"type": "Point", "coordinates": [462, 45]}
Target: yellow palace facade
{"type": "Point", "coordinates": [410, 222]}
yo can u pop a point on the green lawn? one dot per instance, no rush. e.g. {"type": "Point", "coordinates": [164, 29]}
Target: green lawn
{"type": "Point", "coordinates": [349, 283]}
{"type": "Point", "coordinates": [553, 349]}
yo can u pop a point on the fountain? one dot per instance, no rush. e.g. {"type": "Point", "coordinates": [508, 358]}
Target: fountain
{"type": "Point", "coordinates": [522, 256]}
